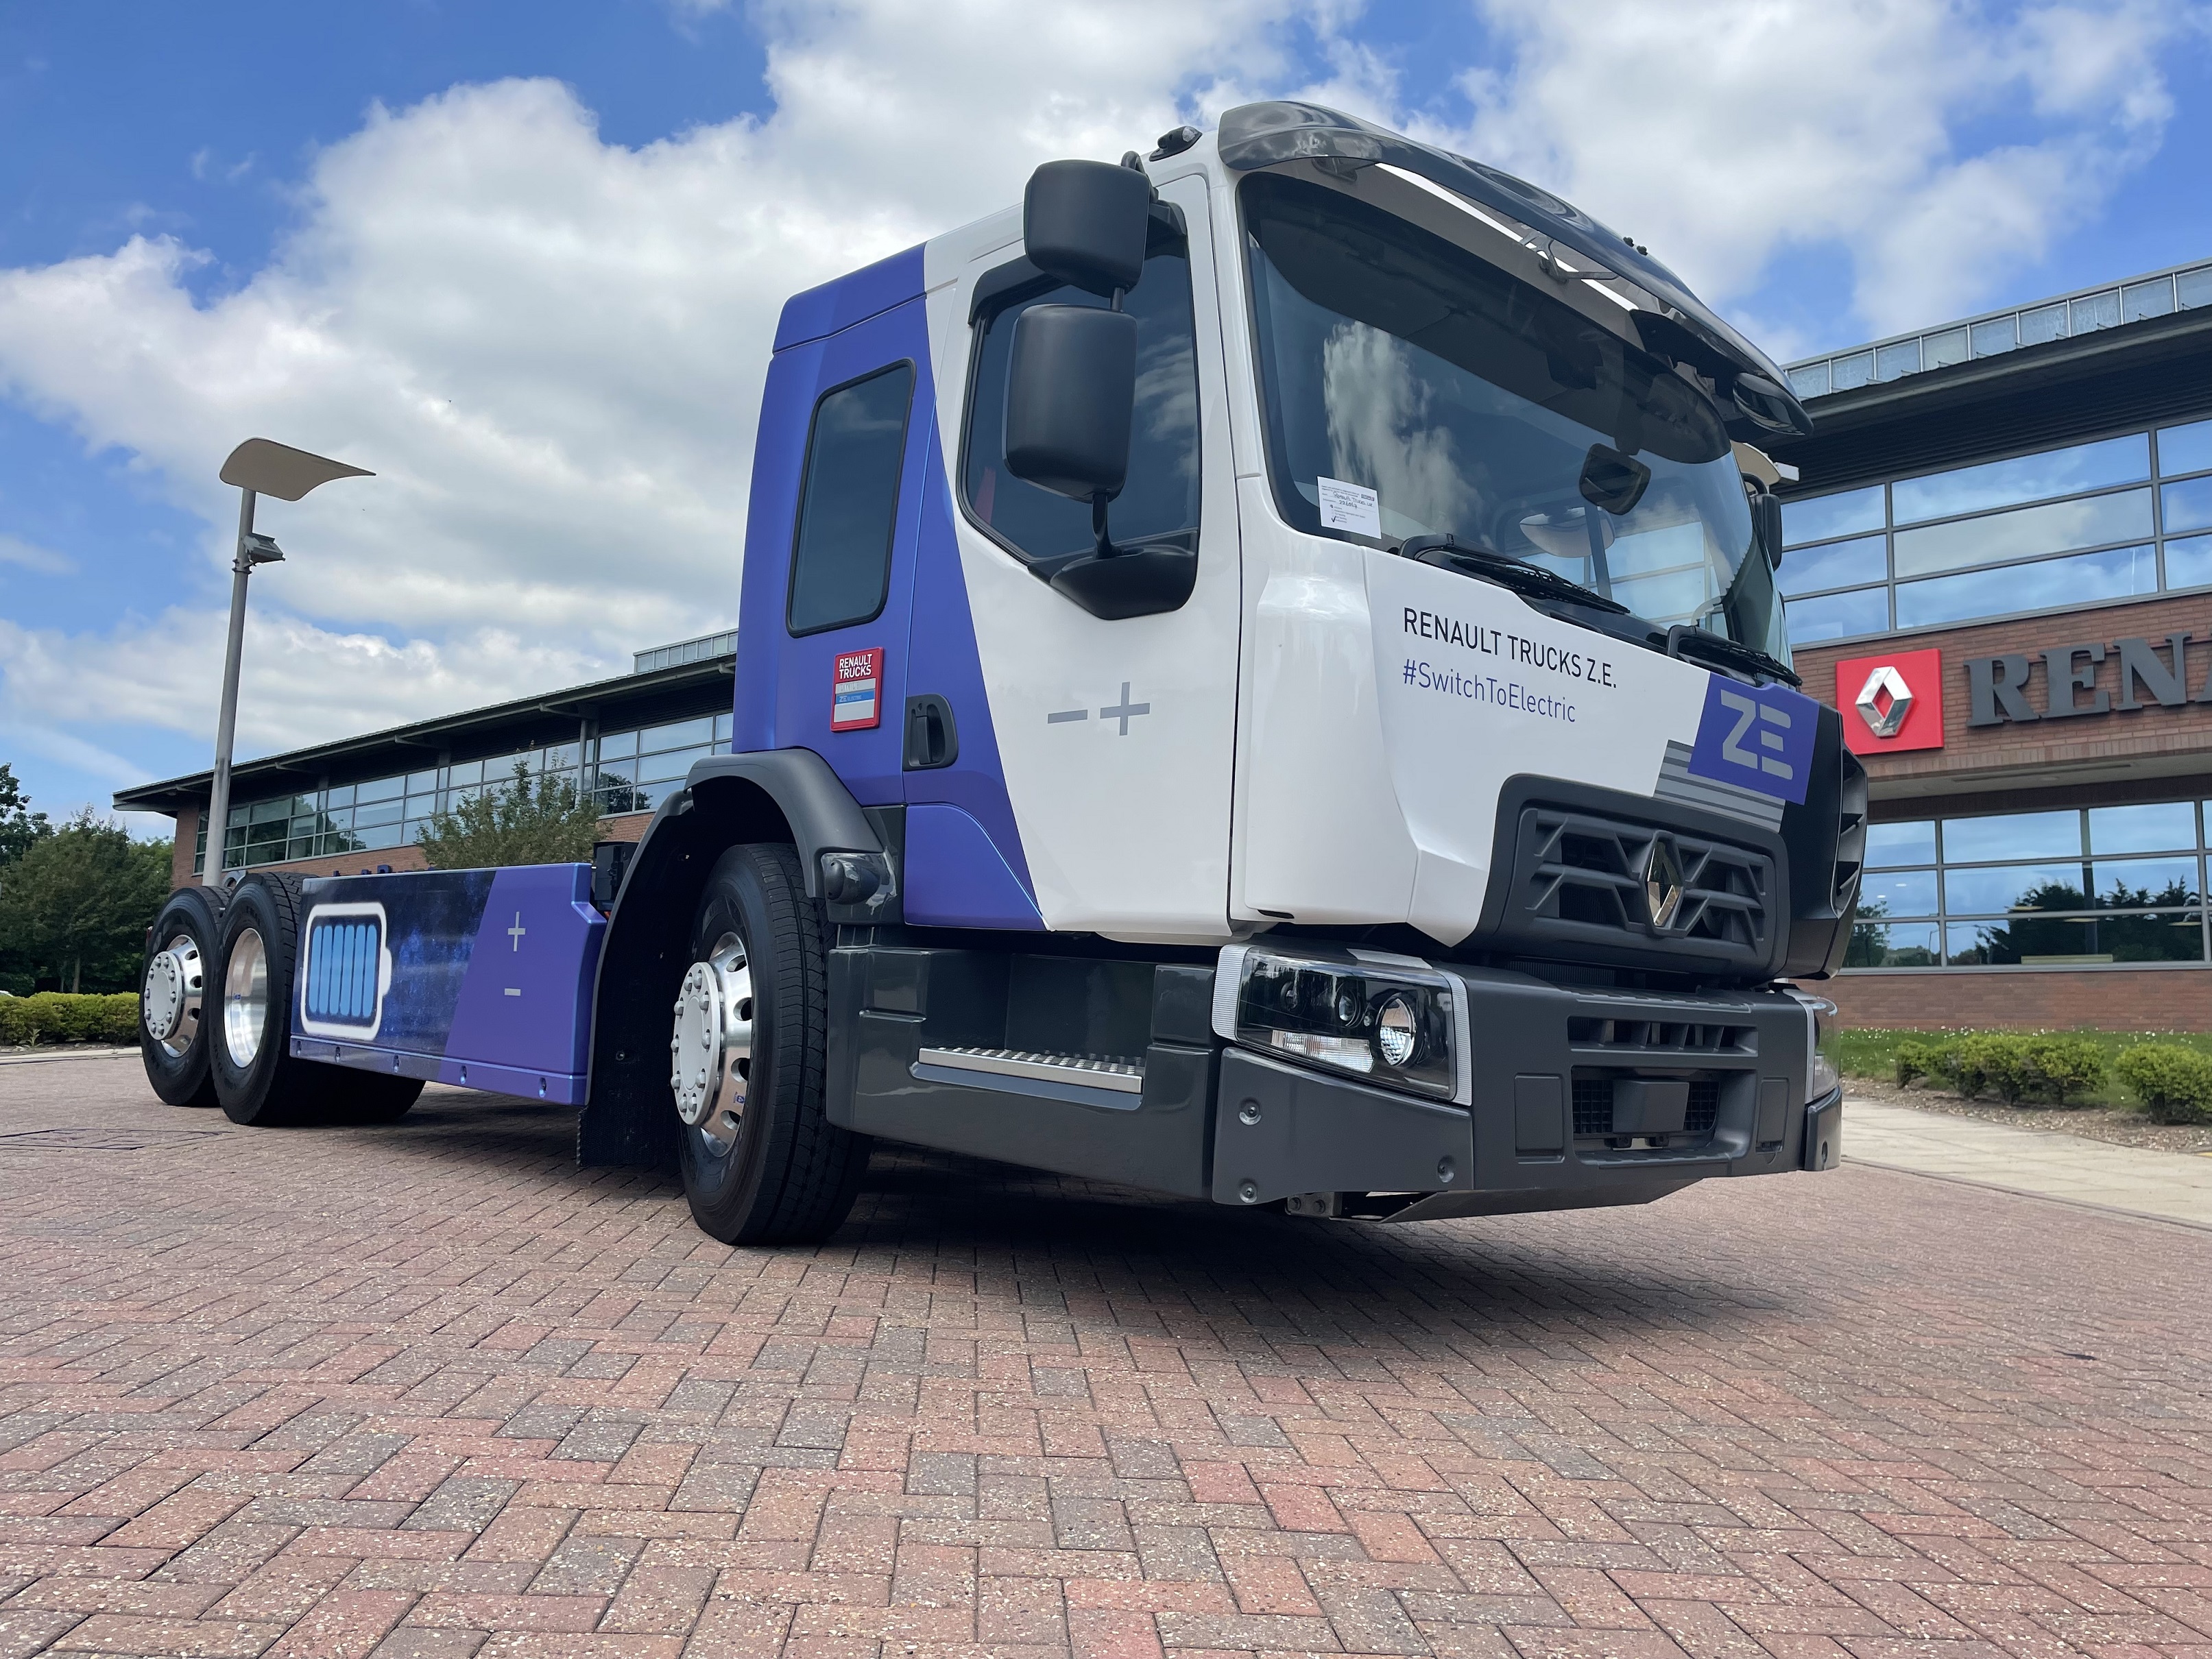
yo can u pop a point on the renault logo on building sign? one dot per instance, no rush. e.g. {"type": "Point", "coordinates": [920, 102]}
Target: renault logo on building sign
{"type": "Point", "coordinates": [1884, 719]}
{"type": "Point", "coordinates": [1892, 702]}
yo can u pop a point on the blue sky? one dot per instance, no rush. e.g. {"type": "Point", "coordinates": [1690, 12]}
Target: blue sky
{"type": "Point", "coordinates": [534, 292]}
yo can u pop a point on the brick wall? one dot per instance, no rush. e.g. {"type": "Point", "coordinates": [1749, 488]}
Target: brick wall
{"type": "Point", "coordinates": [629, 827]}
{"type": "Point", "coordinates": [2102, 999]}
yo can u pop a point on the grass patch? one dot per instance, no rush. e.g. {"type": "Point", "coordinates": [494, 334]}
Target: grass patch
{"type": "Point", "coordinates": [1872, 1053]}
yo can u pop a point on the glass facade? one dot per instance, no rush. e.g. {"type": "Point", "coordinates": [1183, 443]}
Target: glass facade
{"type": "Point", "coordinates": [629, 771]}
{"type": "Point", "coordinates": [2080, 886]}
{"type": "Point", "coordinates": [2157, 295]}
{"type": "Point", "coordinates": [2114, 518]}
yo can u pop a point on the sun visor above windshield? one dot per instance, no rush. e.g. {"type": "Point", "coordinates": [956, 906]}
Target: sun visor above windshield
{"type": "Point", "coordinates": [1256, 136]}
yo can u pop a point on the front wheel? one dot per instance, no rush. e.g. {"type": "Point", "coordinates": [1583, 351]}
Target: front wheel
{"type": "Point", "coordinates": [762, 1163]}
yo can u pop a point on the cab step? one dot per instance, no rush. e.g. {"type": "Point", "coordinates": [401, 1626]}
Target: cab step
{"type": "Point", "coordinates": [1093, 1079]}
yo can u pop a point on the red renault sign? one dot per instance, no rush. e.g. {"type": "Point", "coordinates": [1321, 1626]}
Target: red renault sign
{"type": "Point", "coordinates": [1892, 702]}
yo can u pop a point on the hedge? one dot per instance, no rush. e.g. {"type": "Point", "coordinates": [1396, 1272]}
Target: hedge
{"type": "Point", "coordinates": [2173, 1082]}
{"type": "Point", "coordinates": [2012, 1066]}
{"type": "Point", "coordinates": [56, 1017]}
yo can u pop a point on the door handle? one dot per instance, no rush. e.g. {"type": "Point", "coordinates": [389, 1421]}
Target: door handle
{"type": "Point", "coordinates": [932, 739]}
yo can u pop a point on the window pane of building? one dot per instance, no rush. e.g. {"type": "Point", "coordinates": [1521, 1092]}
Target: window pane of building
{"type": "Point", "coordinates": [2194, 288]}
{"type": "Point", "coordinates": [2001, 888]}
{"type": "Point", "coordinates": [1838, 615]}
{"type": "Point", "coordinates": [1901, 843]}
{"type": "Point", "coordinates": [343, 796]}
{"type": "Point", "coordinates": [1995, 336]}
{"type": "Point", "coordinates": [2187, 505]}
{"type": "Point", "coordinates": [1811, 380]}
{"type": "Point", "coordinates": [670, 767]}
{"type": "Point", "coordinates": [680, 734]}
{"type": "Point", "coordinates": [422, 783]}
{"type": "Point", "coordinates": [2046, 585]}
{"type": "Point", "coordinates": [2095, 311]}
{"type": "Point", "coordinates": [2153, 826]}
{"type": "Point", "coordinates": [1941, 350]}
{"type": "Point", "coordinates": [1876, 943]}
{"type": "Point", "coordinates": [1833, 564]}
{"type": "Point", "coordinates": [616, 745]}
{"type": "Point", "coordinates": [2189, 564]}
{"type": "Point", "coordinates": [381, 789]}
{"type": "Point", "coordinates": [1853, 513]}
{"type": "Point", "coordinates": [2048, 323]}
{"type": "Point", "coordinates": [2151, 299]}
{"type": "Point", "coordinates": [2025, 532]}
{"type": "Point", "coordinates": [465, 772]}
{"type": "Point", "coordinates": [1852, 372]}
{"type": "Point", "coordinates": [1899, 893]}
{"type": "Point", "coordinates": [2025, 479]}
{"type": "Point", "coordinates": [1896, 361]}
{"type": "Point", "coordinates": [2183, 448]}
{"type": "Point", "coordinates": [2012, 836]}
{"type": "Point", "coordinates": [2137, 883]}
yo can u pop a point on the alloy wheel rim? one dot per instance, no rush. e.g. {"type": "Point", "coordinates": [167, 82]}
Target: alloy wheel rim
{"type": "Point", "coordinates": [710, 1046]}
{"type": "Point", "coordinates": [246, 998]}
{"type": "Point", "coordinates": [175, 980]}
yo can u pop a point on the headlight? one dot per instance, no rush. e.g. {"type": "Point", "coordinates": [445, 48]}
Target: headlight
{"type": "Point", "coordinates": [1393, 1020]}
{"type": "Point", "coordinates": [1821, 1076]}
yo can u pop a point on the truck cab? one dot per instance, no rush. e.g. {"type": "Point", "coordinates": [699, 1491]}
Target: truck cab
{"type": "Point", "coordinates": [1259, 679]}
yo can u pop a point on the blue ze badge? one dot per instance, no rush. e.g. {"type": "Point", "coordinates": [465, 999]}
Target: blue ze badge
{"type": "Point", "coordinates": [1756, 737]}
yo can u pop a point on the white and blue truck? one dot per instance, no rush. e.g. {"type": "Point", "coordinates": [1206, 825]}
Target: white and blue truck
{"type": "Point", "coordinates": [1260, 678]}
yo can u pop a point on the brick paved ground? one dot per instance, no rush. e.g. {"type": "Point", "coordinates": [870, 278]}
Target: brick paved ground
{"type": "Point", "coordinates": [429, 1391]}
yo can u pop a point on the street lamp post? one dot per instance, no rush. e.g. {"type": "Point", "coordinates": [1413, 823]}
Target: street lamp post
{"type": "Point", "coordinates": [258, 467]}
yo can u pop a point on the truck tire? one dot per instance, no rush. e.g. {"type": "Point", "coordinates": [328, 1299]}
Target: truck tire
{"type": "Point", "coordinates": [762, 1163]}
{"type": "Point", "coordinates": [256, 1080]}
{"type": "Point", "coordinates": [178, 1002]}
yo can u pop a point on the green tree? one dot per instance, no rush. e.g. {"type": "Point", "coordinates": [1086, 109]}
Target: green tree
{"type": "Point", "coordinates": [526, 820]}
{"type": "Point", "coordinates": [20, 827]}
{"type": "Point", "coordinates": [75, 908]}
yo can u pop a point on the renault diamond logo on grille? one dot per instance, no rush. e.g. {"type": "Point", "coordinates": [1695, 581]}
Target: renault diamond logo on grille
{"type": "Point", "coordinates": [1885, 681]}
{"type": "Point", "coordinates": [1663, 882]}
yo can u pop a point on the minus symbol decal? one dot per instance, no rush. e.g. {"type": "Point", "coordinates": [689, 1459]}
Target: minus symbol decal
{"type": "Point", "coordinates": [514, 990]}
{"type": "Point", "coordinates": [1063, 716]}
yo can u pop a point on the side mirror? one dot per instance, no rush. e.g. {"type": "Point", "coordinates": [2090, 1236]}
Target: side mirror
{"type": "Point", "coordinates": [1766, 525]}
{"type": "Point", "coordinates": [1085, 224]}
{"type": "Point", "coordinates": [1071, 398]}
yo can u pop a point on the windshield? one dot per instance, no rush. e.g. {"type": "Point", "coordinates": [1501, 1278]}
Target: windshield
{"type": "Point", "coordinates": [1413, 389]}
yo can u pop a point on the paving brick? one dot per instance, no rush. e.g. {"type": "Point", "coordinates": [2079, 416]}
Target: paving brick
{"type": "Point", "coordinates": [432, 1393]}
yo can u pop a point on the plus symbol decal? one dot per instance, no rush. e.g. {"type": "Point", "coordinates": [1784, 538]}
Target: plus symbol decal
{"type": "Point", "coordinates": [1127, 711]}
{"type": "Point", "coordinates": [516, 931]}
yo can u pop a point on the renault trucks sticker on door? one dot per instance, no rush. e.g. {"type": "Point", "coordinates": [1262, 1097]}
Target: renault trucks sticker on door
{"type": "Point", "coordinates": [856, 701]}
{"type": "Point", "coordinates": [1756, 737]}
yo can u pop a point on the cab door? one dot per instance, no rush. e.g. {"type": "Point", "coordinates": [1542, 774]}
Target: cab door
{"type": "Point", "coordinates": [1111, 743]}
{"type": "Point", "coordinates": [847, 591]}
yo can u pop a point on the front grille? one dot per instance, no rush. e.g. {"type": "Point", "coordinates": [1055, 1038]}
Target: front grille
{"type": "Point", "coordinates": [1658, 1036]}
{"type": "Point", "coordinates": [1704, 1106]}
{"type": "Point", "coordinates": [1580, 876]}
{"type": "Point", "coordinates": [1593, 1106]}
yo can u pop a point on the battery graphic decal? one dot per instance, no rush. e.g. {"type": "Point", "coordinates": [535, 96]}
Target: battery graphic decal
{"type": "Point", "coordinates": [856, 698]}
{"type": "Point", "coordinates": [345, 971]}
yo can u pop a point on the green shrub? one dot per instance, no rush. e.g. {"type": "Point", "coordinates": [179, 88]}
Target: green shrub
{"type": "Point", "coordinates": [1914, 1060]}
{"type": "Point", "coordinates": [2173, 1082]}
{"type": "Point", "coordinates": [1988, 1060]}
{"type": "Point", "coordinates": [2063, 1064]}
{"type": "Point", "coordinates": [57, 1017]}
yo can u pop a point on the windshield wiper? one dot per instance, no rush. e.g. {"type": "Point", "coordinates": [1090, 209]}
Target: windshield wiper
{"type": "Point", "coordinates": [1446, 553]}
{"type": "Point", "coordinates": [1684, 641]}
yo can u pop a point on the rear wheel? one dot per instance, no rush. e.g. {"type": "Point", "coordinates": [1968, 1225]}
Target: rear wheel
{"type": "Point", "coordinates": [176, 1005]}
{"type": "Point", "coordinates": [762, 1163]}
{"type": "Point", "coordinates": [256, 1080]}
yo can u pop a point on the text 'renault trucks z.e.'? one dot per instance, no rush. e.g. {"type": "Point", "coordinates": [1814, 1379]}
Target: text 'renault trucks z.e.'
{"type": "Point", "coordinates": [1259, 678]}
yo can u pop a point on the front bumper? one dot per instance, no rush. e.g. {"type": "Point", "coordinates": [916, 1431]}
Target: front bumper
{"type": "Point", "coordinates": [1539, 1126]}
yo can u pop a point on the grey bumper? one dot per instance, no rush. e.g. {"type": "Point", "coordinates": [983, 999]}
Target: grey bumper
{"type": "Point", "coordinates": [1538, 1130]}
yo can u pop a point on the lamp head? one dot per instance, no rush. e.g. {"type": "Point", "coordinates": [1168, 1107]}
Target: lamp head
{"type": "Point", "coordinates": [269, 468]}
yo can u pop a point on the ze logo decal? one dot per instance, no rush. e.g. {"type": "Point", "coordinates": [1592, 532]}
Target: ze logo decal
{"type": "Point", "coordinates": [1756, 737]}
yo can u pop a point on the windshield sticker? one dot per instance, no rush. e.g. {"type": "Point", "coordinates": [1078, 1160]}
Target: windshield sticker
{"type": "Point", "coordinates": [1349, 506]}
{"type": "Point", "coordinates": [1757, 738]}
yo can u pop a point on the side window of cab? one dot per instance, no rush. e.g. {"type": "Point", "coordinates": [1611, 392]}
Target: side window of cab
{"type": "Point", "coordinates": [1159, 505]}
{"type": "Point", "coordinates": [840, 555]}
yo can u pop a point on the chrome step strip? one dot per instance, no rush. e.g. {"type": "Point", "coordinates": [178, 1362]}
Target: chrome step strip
{"type": "Point", "coordinates": [1081, 1071]}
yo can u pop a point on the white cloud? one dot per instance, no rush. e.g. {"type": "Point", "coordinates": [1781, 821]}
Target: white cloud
{"type": "Point", "coordinates": [30, 557]}
{"type": "Point", "coordinates": [1718, 133]}
{"type": "Point", "coordinates": [550, 348]}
